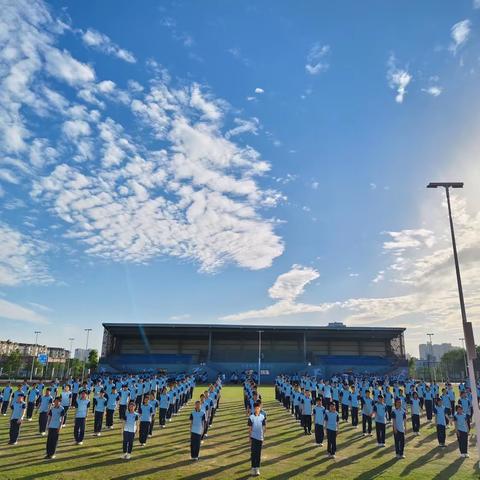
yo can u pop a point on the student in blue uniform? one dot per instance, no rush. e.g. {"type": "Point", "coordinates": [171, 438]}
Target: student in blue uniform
{"type": "Point", "coordinates": [380, 414]}
{"type": "Point", "coordinates": [461, 426]}
{"type": "Point", "coordinates": [367, 413]}
{"type": "Point", "coordinates": [82, 406]}
{"type": "Point", "coordinates": [32, 397]}
{"type": "Point", "coordinates": [441, 419]}
{"type": "Point", "coordinates": [331, 425]}
{"type": "Point", "coordinates": [197, 424]}
{"type": "Point", "coordinates": [307, 403]}
{"type": "Point", "coordinates": [399, 422]}
{"type": "Point", "coordinates": [415, 408]}
{"type": "Point", "coordinates": [54, 425]}
{"type": "Point", "coordinates": [66, 402]}
{"type": "Point", "coordinates": [124, 401]}
{"type": "Point", "coordinates": [43, 408]}
{"type": "Point", "coordinates": [257, 426]}
{"type": "Point", "coordinates": [100, 407]}
{"type": "Point", "coordinates": [164, 403]}
{"type": "Point", "coordinates": [319, 419]}
{"type": "Point", "coordinates": [112, 402]}
{"type": "Point", "coordinates": [18, 412]}
{"type": "Point", "coordinates": [146, 412]}
{"type": "Point", "coordinates": [129, 429]}
{"type": "Point", "coordinates": [154, 403]}
{"type": "Point", "coordinates": [354, 400]}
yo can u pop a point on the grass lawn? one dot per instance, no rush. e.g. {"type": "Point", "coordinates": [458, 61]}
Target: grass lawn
{"type": "Point", "coordinates": [225, 454]}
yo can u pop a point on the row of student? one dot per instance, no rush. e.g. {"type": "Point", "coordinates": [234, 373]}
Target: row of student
{"type": "Point", "coordinates": [323, 409]}
{"type": "Point", "coordinates": [51, 409]}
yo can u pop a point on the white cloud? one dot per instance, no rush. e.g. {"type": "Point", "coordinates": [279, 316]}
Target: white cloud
{"type": "Point", "coordinates": [243, 126]}
{"type": "Point", "coordinates": [434, 90]}
{"type": "Point", "coordinates": [13, 311]}
{"type": "Point", "coordinates": [63, 66]}
{"type": "Point", "coordinates": [20, 259]}
{"type": "Point", "coordinates": [259, 90]}
{"type": "Point", "coordinates": [353, 274]}
{"type": "Point", "coordinates": [315, 185]}
{"type": "Point", "coordinates": [460, 33]}
{"type": "Point", "coordinates": [317, 59]}
{"type": "Point", "coordinates": [476, 4]}
{"type": "Point", "coordinates": [398, 79]}
{"type": "Point", "coordinates": [103, 43]}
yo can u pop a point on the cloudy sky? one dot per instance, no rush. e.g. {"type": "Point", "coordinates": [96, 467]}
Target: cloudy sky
{"type": "Point", "coordinates": [237, 162]}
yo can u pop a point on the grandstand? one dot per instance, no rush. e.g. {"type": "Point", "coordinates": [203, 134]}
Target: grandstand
{"type": "Point", "coordinates": [323, 350]}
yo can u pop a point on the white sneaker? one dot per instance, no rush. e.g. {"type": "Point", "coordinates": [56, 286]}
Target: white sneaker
{"type": "Point", "coordinates": [29, 419]}
{"type": "Point", "coordinates": [124, 456]}
{"type": "Point", "coordinates": [128, 456]}
{"type": "Point", "coordinates": [53, 457]}
{"type": "Point", "coordinates": [254, 471]}
{"type": "Point", "coordinates": [43, 434]}
{"type": "Point", "coordinates": [257, 472]}
{"type": "Point", "coordinates": [467, 455]}
{"type": "Point", "coordinates": [402, 456]}
{"type": "Point", "coordinates": [364, 434]}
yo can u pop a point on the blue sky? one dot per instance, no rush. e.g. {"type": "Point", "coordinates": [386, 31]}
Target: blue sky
{"type": "Point", "coordinates": [236, 162]}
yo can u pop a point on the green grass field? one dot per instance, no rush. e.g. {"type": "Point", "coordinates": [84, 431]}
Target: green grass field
{"type": "Point", "coordinates": [225, 454]}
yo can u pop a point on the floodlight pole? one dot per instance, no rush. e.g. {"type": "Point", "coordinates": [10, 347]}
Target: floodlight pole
{"type": "Point", "coordinates": [88, 330]}
{"type": "Point", "coordinates": [70, 356]}
{"type": "Point", "coordinates": [37, 333]}
{"type": "Point", "coordinates": [430, 357]}
{"type": "Point", "coordinates": [259, 353]}
{"type": "Point", "coordinates": [467, 327]}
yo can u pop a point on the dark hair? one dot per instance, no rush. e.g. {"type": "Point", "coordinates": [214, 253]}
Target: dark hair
{"type": "Point", "coordinates": [257, 404]}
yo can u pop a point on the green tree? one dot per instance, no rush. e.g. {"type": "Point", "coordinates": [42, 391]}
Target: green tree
{"type": "Point", "coordinates": [92, 363]}
{"type": "Point", "coordinates": [12, 363]}
{"type": "Point", "coordinates": [412, 366]}
{"type": "Point", "coordinates": [453, 363]}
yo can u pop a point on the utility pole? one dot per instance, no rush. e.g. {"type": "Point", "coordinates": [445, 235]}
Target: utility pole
{"type": "Point", "coordinates": [259, 353]}
{"type": "Point", "coordinates": [430, 356]}
{"type": "Point", "coordinates": [70, 356]}
{"type": "Point", "coordinates": [34, 354]}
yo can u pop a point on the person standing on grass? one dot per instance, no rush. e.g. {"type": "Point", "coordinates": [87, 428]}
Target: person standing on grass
{"type": "Point", "coordinates": [154, 403]}
{"type": "Point", "coordinates": [18, 408]}
{"type": "Point", "coordinates": [43, 408]}
{"type": "Point", "coordinates": [462, 429]}
{"type": "Point", "coordinates": [354, 400]}
{"type": "Point", "coordinates": [124, 401]}
{"type": "Point", "coordinates": [345, 397]}
{"type": "Point", "coordinates": [399, 422]}
{"type": "Point", "coordinates": [415, 410]}
{"type": "Point", "coordinates": [257, 425]}
{"type": "Point", "coordinates": [367, 413]}
{"type": "Point", "coordinates": [466, 404]}
{"type": "Point", "coordinates": [129, 428]}
{"type": "Point", "coordinates": [54, 425]}
{"type": "Point", "coordinates": [319, 419]}
{"type": "Point", "coordinates": [82, 405]}
{"type": "Point", "coordinates": [441, 419]}
{"type": "Point", "coordinates": [113, 398]}
{"type": "Point", "coordinates": [146, 412]}
{"type": "Point", "coordinates": [100, 406]}
{"type": "Point", "coordinates": [307, 404]}
{"type": "Point", "coordinates": [331, 425]}
{"type": "Point", "coordinates": [197, 425]}
{"type": "Point", "coordinates": [32, 397]}
{"type": "Point", "coordinates": [66, 402]}
{"type": "Point", "coordinates": [429, 402]}
{"type": "Point", "coordinates": [379, 412]}
{"type": "Point", "coordinates": [164, 403]}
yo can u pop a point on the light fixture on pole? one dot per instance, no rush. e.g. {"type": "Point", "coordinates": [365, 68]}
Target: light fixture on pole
{"type": "Point", "coordinates": [70, 356]}
{"type": "Point", "coordinates": [467, 326]}
{"type": "Point", "coordinates": [259, 353]}
{"type": "Point", "coordinates": [88, 330]}
{"type": "Point", "coordinates": [34, 353]}
{"type": "Point", "coordinates": [464, 355]}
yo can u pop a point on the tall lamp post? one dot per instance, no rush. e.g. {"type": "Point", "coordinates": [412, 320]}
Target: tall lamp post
{"type": "Point", "coordinates": [467, 326]}
{"type": "Point", "coordinates": [430, 356]}
{"type": "Point", "coordinates": [37, 333]}
{"type": "Point", "coordinates": [259, 353]}
{"type": "Point", "coordinates": [88, 330]}
{"type": "Point", "coordinates": [464, 355]}
{"type": "Point", "coordinates": [70, 356]}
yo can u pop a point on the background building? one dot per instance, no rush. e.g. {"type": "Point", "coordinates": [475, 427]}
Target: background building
{"type": "Point", "coordinates": [28, 350]}
{"type": "Point", "coordinates": [81, 354]}
{"type": "Point", "coordinates": [434, 352]}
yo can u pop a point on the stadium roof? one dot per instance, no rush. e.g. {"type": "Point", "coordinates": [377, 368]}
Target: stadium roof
{"type": "Point", "coordinates": [119, 328]}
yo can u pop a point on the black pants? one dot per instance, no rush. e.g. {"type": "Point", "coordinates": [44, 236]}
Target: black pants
{"type": "Point", "coordinates": [416, 423]}
{"type": "Point", "coordinates": [169, 411]}
{"type": "Point", "coordinates": [337, 405]}
{"type": "Point", "coordinates": [366, 423]}
{"type": "Point", "coordinates": [380, 429]}
{"type": "Point", "coordinates": [152, 424]}
{"type": "Point", "coordinates": [462, 438]}
{"type": "Point", "coordinates": [255, 452]}
{"type": "Point", "coordinates": [429, 408]}
{"type": "Point", "coordinates": [143, 433]}
{"type": "Point", "coordinates": [5, 407]}
{"type": "Point", "coordinates": [389, 412]}
{"type": "Point", "coordinates": [14, 430]}
{"type": "Point", "coordinates": [79, 429]}
{"type": "Point", "coordinates": [195, 439]}
{"type": "Point", "coordinates": [319, 433]}
{"type": "Point", "coordinates": [297, 412]}
{"type": "Point", "coordinates": [128, 438]}
{"type": "Point", "coordinates": [354, 416]}
{"type": "Point", "coordinates": [122, 409]}
{"type": "Point", "coordinates": [344, 412]}
{"type": "Point", "coordinates": [109, 417]}
{"type": "Point", "coordinates": [52, 441]}
{"type": "Point", "coordinates": [212, 414]}
{"type": "Point", "coordinates": [307, 423]}
{"type": "Point", "coordinates": [97, 422]}
{"type": "Point", "coordinates": [399, 438]}
{"type": "Point", "coordinates": [331, 441]}
{"type": "Point", "coordinates": [441, 434]}
{"type": "Point", "coordinates": [65, 410]}
{"type": "Point", "coordinates": [74, 399]}
{"type": "Point", "coordinates": [30, 407]}
{"type": "Point", "coordinates": [163, 416]}
{"type": "Point", "coordinates": [42, 421]}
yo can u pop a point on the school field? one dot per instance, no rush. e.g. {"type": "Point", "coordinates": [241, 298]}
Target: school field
{"type": "Point", "coordinates": [225, 454]}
